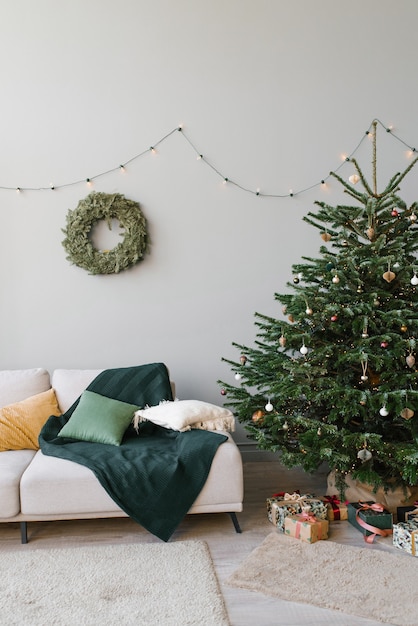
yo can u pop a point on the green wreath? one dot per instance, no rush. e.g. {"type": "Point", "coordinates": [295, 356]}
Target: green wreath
{"type": "Point", "coordinates": [103, 206]}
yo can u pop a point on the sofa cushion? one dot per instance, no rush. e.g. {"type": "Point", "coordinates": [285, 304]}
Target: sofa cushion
{"type": "Point", "coordinates": [16, 385]}
{"type": "Point", "coordinates": [183, 415]}
{"type": "Point", "coordinates": [52, 486]}
{"type": "Point", "coordinates": [12, 465]}
{"type": "Point", "coordinates": [21, 422]}
{"type": "Point", "coordinates": [99, 419]}
{"type": "Point", "coordinates": [70, 384]}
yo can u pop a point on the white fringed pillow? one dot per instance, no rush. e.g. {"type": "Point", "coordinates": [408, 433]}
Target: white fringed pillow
{"type": "Point", "coordinates": [184, 415]}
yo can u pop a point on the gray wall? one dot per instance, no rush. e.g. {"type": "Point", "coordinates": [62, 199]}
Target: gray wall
{"type": "Point", "coordinates": [271, 92]}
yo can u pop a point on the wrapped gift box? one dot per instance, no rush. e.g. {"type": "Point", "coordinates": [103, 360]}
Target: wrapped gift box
{"type": "Point", "coordinates": [336, 510]}
{"type": "Point", "coordinates": [371, 513]}
{"type": "Point", "coordinates": [403, 513]}
{"type": "Point", "coordinates": [306, 528]}
{"type": "Point", "coordinates": [405, 536]}
{"type": "Point", "coordinates": [291, 504]}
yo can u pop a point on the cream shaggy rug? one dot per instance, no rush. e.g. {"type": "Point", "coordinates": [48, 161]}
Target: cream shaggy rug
{"type": "Point", "coordinates": [365, 582]}
{"type": "Point", "coordinates": [171, 584]}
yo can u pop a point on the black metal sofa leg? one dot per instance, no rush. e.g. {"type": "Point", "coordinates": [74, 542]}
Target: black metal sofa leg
{"type": "Point", "coordinates": [24, 532]}
{"type": "Point", "coordinates": [235, 522]}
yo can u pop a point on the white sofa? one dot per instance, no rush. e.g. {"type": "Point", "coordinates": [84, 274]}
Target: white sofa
{"type": "Point", "coordinates": [35, 487]}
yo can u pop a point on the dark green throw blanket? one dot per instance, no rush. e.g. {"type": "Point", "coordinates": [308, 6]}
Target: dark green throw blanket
{"type": "Point", "coordinates": [154, 477]}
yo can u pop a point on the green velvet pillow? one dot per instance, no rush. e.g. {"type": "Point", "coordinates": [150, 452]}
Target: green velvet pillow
{"type": "Point", "coordinates": [99, 419]}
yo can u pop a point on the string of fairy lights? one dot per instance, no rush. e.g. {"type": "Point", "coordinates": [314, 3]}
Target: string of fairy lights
{"type": "Point", "coordinates": [179, 130]}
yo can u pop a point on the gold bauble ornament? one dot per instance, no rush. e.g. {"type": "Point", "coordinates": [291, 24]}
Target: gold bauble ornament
{"type": "Point", "coordinates": [407, 413]}
{"type": "Point", "coordinates": [370, 233]}
{"type": "Point", "coordinates": [389, 276]}
{"type": "Point", "coordinates": [404, 328]}
{"type": "Point", "coordinates": [326, 236]}
{"type": "Point", "coordinates": [258, 416]}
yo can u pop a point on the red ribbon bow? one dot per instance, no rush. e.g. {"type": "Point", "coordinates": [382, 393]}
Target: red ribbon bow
{"type": "Point", "coordinates": [375, 506]}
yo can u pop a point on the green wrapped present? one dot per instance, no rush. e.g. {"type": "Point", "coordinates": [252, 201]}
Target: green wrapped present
{"type": "Point", "coordinates": [280, 507]}
{"type": "Point", "coordinates": [371, 519]}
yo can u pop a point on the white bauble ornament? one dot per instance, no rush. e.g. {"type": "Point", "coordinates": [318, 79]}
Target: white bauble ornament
{"type": "Point", "coordinates": [238, 376]}
{"type": "Point", "coordinates": [269, 407]}
{"type": "Point", "coordinates": [336, 279]}
{"type": "Point", "coordinates": [304, 349]}
{"type": "Point", "coordinates": [414, 280]}
{"type": "Point", "coordinates": [383, 411]}
{"type": "Point", "coordinates": [354, 178]}
{"type": "Point", "coordinates": [364, 455]}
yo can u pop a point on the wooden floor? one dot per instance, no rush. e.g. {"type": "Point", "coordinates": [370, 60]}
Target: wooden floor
{"type": "Point", "coordinates": [228, 548]}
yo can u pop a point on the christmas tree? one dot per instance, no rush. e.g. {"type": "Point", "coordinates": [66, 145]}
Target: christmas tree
{"type": "Point", "coordinates": [335, 380]}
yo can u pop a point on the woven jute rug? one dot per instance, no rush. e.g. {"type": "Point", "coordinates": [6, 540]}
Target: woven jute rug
{"type": "Point", "coordinates": [365, 582]}
{"type": "Point", "coordinates": [169, 584]}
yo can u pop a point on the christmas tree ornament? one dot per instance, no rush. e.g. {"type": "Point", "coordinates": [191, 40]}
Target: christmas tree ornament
{"type": "Point", "coordinates": [296, 280]}
{"type": "Point", "coordinates": [326, 236]}
{"type": "Point", "coordinates": [223, 392]}
{"type": "Point", "coordinates": [370, 232]}
{"type": "Point", "coordinates": [364, 455]}
{"type": "Point", "coordinates": [284, 309]}
{"type": "Point", "coordinates": [383, 411]}
{"type": "Point", "coordinates": [243, 359]}
{"type": "Point", "coordinates": [365, 332]}
{"type": "Point", "coordinates": [319, 432]}
{"type": "Point", "coordinates": [303, 350]}
{"type": "Point", "coordinates": [384, 344]}
{"type": "Point", "coordinates": [376, 302]}
{"type": "Point", "coordinates": [291, 318]}
{"type": "Point", "coordinates": [258, 416]}
{"type": "Point", "coordinates": [329, 266]}
{"type": "Point", "coordinates": [404, 328]}
{"type": "Point", "coordinates": [389, 276]}
{"type": "Point", "coordinates": [285, 426]}
{"type": "Point", "coordinates": [269, 407]}
{"type": "Point", "coordinates": [282, 341]}
{"type": "Point", "coordinates": [237, 376]}
{"type": "Point", "coordinates": [410, 360]}
{"type": "Point", "coordinates": [334, 318]}
{"type": "Point", "coordinates": [412, 218]}
{"type": "Point", "coordinates": [354, 178]}
{"type": "Point", "coordinates": [394, 213]}
{"type": "Point", "coordinates": [360, 289]}
{"type": "Point", "coordinates": [336, 279]}
{"type": "Point", "coordinates": [414, 280]}
{"type": "Point", "coordinates": [407, 413]}
{"type": "Point", "coordinates": [364, 365]}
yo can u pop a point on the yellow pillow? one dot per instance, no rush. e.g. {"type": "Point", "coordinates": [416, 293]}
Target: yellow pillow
{"type": "Point", "coordinates": [21, 422]}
